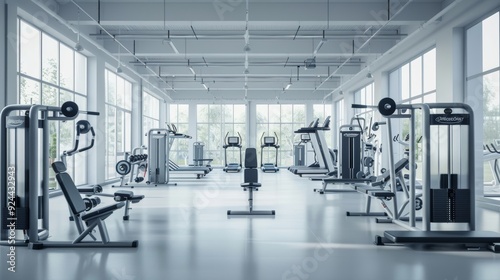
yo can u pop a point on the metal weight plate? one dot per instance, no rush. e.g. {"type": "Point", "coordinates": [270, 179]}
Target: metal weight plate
{"type": "Point", "coordinates": [69, 109]}
{"type": "Point", "coordinates": [387, 106]}
{"type": "Point", "coordinates": [418, 203]}
{"type": "Point", "coordinates": [123, 167]}
{"type": "Point", "coordinates": [368, 161]}
{"type": "Point", "coordinates": [83, 126]}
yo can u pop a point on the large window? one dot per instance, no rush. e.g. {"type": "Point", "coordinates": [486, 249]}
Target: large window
{"type": "Point", "coordinates": [282, 119]}
{"type": "Point", "coordinates": [339, 119]}
{"type": "Point", "coordinates": [118, 120]}
{"type": "Point", "coordinates": [365, 96]}
{"type": "Point", "coordinates": [415, 82]}
{"type": "Point", "coordinates": [51, 73]}
{"type": "Point", "coordinates": [483, 80]}
{"type": "Point", "coordinates": [214, 122]}
{"type": "Point", "coordinates": [150, 114]}
{"type": "Point", "coordinates": [179, 116]}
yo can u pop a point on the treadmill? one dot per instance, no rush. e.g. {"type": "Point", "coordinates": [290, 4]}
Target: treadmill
{"type": "Point", "coordinates": [269, 142]}
{"type": "Point", "coordinates": [232, 142]}
{"type": "Point", "coordinates": [318, 141]}
{"type": "Point", "coordinates": [199, 171]}
{"type": "Point", "coordinates": [305, 138]}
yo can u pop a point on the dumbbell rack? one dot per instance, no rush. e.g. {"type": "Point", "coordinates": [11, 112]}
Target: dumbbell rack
{"type": "Point", "coordinates": [133, 162]}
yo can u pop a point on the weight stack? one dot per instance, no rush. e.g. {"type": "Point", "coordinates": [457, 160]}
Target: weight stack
{"type": "Point", "coordinates": [450, 205]}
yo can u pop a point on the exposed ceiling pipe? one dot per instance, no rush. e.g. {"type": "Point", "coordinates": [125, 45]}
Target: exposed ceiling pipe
{"type": "Point", "coordinates": [247, 89]}
{"type": "Point", "coordinates": [390, 36]}
{"type": "Point", "coordinates": [362, 46]}
{"type": "Point", "coordinates": [422, 27]}
{"type": "Point", "coordinates": [238, 64]}
{"type": "Point", "coordinates": [246, 48]}
{"type": "Point", "coordinates": [296, 32]}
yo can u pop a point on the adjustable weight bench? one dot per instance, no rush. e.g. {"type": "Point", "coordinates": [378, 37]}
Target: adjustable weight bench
{"type": "Point", "coordinates": [119, 196]}
{"type": "Point", "coordinates": [92, 219]}
{"type": "Point", "coordinates": [251, 183]}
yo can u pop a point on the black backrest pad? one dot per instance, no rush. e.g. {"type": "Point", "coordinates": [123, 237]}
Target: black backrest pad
{"type": "Point", "coordinates": [251, 175]}
{"type": "Point", "coordinates": [58, 167]}
{"type": "Point", "coordinates": [251, 158]}
{"type": "Point", "coordinates": [70, 192]}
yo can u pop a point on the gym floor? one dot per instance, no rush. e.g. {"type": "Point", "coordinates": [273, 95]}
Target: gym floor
{"type": "Point", "coordinates": [184, 233]}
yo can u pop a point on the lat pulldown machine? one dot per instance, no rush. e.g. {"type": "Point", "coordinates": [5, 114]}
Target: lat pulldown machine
{"type": "Point", "coordinates": [448, 177]}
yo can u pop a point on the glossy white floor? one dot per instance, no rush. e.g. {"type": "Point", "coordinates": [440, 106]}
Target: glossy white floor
{"type": "Point", "coordinates": [184, 233]}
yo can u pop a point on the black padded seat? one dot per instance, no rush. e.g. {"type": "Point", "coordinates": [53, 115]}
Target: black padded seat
{"type": "Point", "coordinates": [96, 212]}
{"type": "Point", "coordinates": [136, 198]}
{"type": "Point", "coordinates": [381, 194]}
{"type": "Point", "coordinates": [256, 185]}
{"type": "Point", "coordinates": [128, 195]}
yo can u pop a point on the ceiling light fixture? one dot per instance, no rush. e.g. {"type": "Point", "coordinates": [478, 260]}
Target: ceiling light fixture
{"type": "Point", "coordinates": [191, 68]}
{"type": "Point", "coordinates": [320, 44]}
{"type": "Point", "coordinates": [78, 47]}
{"type": "Point", "coordinates": [289, 84]}
{"type": "Point", "coordinates": [170, 43]}
{"type": "Point", "coordinates": [119, 68]}
{"type": "Point", "coordinates": [203, 84]}
{"type": "Point", "coordinates": [247, 48]}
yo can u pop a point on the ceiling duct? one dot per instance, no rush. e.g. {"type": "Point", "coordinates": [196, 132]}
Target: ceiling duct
{"type": "Point", "coordinates": [310, 63]}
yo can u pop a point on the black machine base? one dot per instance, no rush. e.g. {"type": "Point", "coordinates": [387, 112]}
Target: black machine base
{"type": "Point", "coordinates": [487, 239]}
{"type": "Point", "coordinates": [252, 212]}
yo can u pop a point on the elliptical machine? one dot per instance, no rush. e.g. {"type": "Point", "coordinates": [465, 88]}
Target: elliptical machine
{"type": "Point", "coordinates": [269, 142]}
{"type": "Point", "coordinates": [232, 141]}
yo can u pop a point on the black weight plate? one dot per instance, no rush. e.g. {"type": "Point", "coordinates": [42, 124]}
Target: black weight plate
{"type": "Point", "coordinates": [387, 106]}
{"type": "Point", "coordinates": [123, 167]}
{"type": "Point", "coordinates": [69, 109]}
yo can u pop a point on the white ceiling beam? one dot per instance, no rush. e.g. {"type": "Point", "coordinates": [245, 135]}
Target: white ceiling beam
{"type": "Point", "coordinates": [228, 47]}
{"type": "Point", "coordinates": [256, 72]}
{"type": "Point", "coordinates": [238, 96]}
{"type": "Point", "coordinates": [179, 15]}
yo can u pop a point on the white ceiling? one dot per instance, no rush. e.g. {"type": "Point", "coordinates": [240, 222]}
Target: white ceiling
{"type": "Point", "coordinates": [163, 39]}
